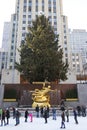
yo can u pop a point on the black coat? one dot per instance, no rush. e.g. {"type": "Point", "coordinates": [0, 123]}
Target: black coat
{"type": "Point", "coordinates": [3, 115]}
{"type": "Point", "coordinates": [63, 116]}
{"type": "Point", "coordinates": [17, 114]}
{"type": "Point", "coordinates": [37, 109]}
{"type": "Point", "coordinates": [45, 114]}
{"type": "Point", "coordinates": [26, 114]}
{"type": "Point", "coordinates": [7, 114]}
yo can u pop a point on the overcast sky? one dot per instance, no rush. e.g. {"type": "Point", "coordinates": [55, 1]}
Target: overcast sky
{"type": "Point", "coordinates": [76, 10]}
{"type": "Point", "coordinates": [7, 7]}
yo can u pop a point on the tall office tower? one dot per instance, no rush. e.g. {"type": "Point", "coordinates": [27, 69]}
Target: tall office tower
{"type": "Point", "coordinates": [6, 35]}
{"type": "Point", "coordinates": [9, 74]}
{"type": "Point", "coordinates": [3, 61]}
{"type": "Point", "coordinates": [78, 42]}
{"type": "Point", "coordinates": [28, 10]}
{"type": "Point", "coordinates": [12, 42]}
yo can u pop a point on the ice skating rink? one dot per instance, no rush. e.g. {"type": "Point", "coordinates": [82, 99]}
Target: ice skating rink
{"type": "Point", "coordinates": [38, 124]}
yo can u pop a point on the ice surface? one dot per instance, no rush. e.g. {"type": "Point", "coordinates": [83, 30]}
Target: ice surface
{"type": "Point", "coordinates": [39, 124]}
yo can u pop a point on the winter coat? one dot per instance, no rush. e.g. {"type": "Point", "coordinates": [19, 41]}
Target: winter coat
{"type": "Point", "coordinates": [45, 114]}
{"type": "Point", "coordinates": [17, 114]}
{"type": "Point", "coordinates": [63, 116]}
{"type": "Point", "coordinates": [26, 114]}
{"type": "Point", "coordinates": [41, 110]}
{"type": "Point", "coordinates": [37, 109]}
{"type": "Point", "coordinates": [3, 115]}
{"type": "Point", "coordinates": [7, 114]}
{"type": "Point", "coordinates": [75, 113]}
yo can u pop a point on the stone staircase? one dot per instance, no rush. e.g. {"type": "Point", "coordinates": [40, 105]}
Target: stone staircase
{"type": "Point", "coordinates": [1, 94]}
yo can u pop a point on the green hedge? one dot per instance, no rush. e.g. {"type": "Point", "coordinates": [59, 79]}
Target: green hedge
{"type": "Point", "coordinates": [71, 93]}
{"type": "Point", "coordinates": [10, 93]}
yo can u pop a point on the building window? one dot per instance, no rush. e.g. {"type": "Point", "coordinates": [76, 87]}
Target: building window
{"type": "Point", "coordinates": [66, 55]}
{"type": "Point", "coordinates": [73, 60]}
{"type": "Point", "coordinates": [65, 49]}
{"type": "Point", "coordinates": [29, 22]}
{"type": "Point", "coordinates": [78, 66]}
{"type": "Point", "coordinates": [3, 53]}
{"type": "Point", "coordinates": [23, 28]}
{"type": "Point", "coordinates": [50, 22]}
{"type": "Point", "coordinates": [24, 9]}
{"type": "Point", "coordinates": [55, 17]}
{"type": "Point", "coordinates": [73, 65]}
{"type": "Point", "coordinates": [3, 58]}
{"type": "Point", "coordinates": [64, 26]}
{"type": "Point", "coordinates": [49, 2]}
{"type": "Point", "coordinates": [13, 30]}
{"type": "Point", "coordinates": [25, 1]}
{"type": "Point", "coordinates": [29, 16]}
{"type": "Point", "coordinates": [30, 1]}
{"type": "Point", "coordinates": [65, 42]}
{"type": "Point", "coordinates": [12, 41]}
{"type": "Point", "coordinates": [24, 22]}
{"type": "Point", "coordinates": [36, 2]}
{"type": "Point", "coordinates": [42, 2]}
{"type": "Point", "coordinates": [54, 1]}
{"type": "Point", "coordinates": [55, 23]}
{"type": "Point", "coordinates": [49, 9]}
{"type": "Point", "coordinates": [36, 8]}
{"type": "Point", "coordinates": [24, 16]}
{"type": "Point", "coordinates": [2, 65]}
{"type": "Point", "coordinates": [11, 54]}
{"type": "Point", "coordinates": [12, 47]}
{"type": "Point", "coordinates": [14, 17]}
{"type": "Point", "coordinates": [64, 19]}
{"type": "Point", "coordinates": [65, 37]}
{"type": "Point", "coordinates": [29, 9]}
{"type": "Point", "coordinates": [49, 5]}
{"type": "Point", "coordinates": [12, 36]}
{"type": "Point", "coordinates": [50, 18]}
{"type": "Point", "coordinates": [64, 31]}
{"type": "Point", "coordinates": [66, 60]}
{"type": "Point", "coordinates": [23, 34]}
{"type": "Point", "coordinates": [54, 9]}
{"type": "Point", "coordinates": [55, 29]}
{"type": "Point", "coordinates": [43, 8]}
{"type": "Point", "coordinates": [43, 5]}
{"type": "Point", "coordinates": [11, 60]}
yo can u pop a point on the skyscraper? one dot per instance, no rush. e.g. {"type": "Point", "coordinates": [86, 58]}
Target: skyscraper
{"type": "Point", "coordinates": [78, 43]}
{"type": "Point", "coordinates": [27, 10]}
{"type": "Point", "coordinates": [6, 35]}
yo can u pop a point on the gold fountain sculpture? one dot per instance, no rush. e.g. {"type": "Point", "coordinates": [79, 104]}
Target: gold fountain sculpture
{"type": "Point", "coordinates": [41, 97]}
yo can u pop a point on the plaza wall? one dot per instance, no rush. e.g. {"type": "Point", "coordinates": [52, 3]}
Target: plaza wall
{"type": "Point", "coordinates": [82, 93]}
{"type": "Point", "coordinates": [24, 92]}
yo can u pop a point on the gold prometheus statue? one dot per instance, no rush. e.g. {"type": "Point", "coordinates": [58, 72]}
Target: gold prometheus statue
{"type": "Point", "coordinates": [41, 97]}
